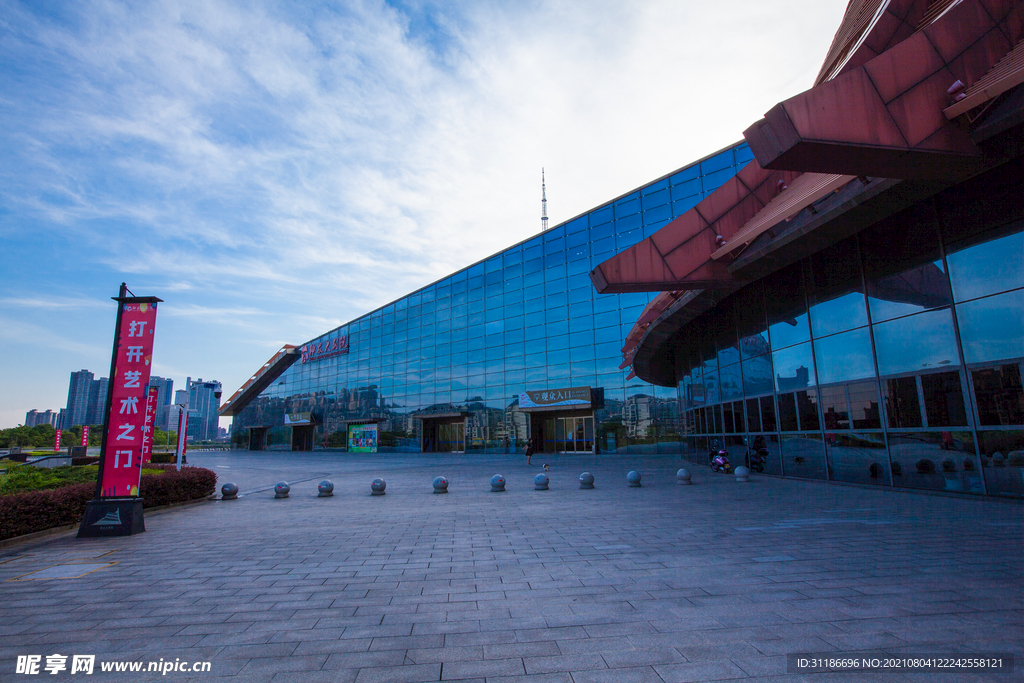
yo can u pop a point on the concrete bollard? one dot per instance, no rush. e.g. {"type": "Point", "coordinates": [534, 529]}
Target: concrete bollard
{"type": "Point", "coordinates": [325, 489]}
{"type": "Point", "coordinates": [282, 489]}
{"type": "Point", "coordinates": [683, 477]}
{"type": "Point", "coordinates": [540, 482]}
{"type": "Point", "coordinates": [742, 474]}
{"type": "Point", "coordinates": [497, 484]}
{"type": "Point", "coordinates": [586, 480]}
{"type": "Point", "coordinates": [229, 491]}
{"type": "Point", "coordinates": [633, 479]}
{"type": "Point", "coordinates": [377, 487]}
{"type": "Point", "coordinates": [440, 485]}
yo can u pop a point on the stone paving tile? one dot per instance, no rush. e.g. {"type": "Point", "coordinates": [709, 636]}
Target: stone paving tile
{"type": "Point", "coordinates": [614, 584]}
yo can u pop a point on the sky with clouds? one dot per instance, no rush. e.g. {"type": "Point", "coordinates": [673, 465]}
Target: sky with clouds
{"type": "Point", "coordinates": [272, 170]}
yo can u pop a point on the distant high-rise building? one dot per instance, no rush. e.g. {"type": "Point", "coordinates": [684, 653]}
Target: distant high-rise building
{"type": "Point", "coordinates": [87, 400]}
{"type": "Point", "coordinates": [98, 401]}
{"type": "Point", "coordinates": [78, 399]}
{"type": "Point", "coordinates": [165, 388]}
{"type": "Point", "coordinates": [59, 424]}
{"type": "Point", "coordinates": [204, 398]}
{"type": "Point", "coordinates": [34, 417]}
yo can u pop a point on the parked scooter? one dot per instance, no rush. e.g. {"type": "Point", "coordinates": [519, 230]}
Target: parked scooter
{"type": "Point", "coordinates": [757, 455]}
{"type": "Point", "coordinates": [718, 458]}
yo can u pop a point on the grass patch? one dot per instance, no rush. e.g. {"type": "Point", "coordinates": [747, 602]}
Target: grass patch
{"type": "Point", "coordinates": [21, 478]}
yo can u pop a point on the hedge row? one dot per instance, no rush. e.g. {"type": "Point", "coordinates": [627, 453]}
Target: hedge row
{"type": "Point", "coordinates": [26, 513]}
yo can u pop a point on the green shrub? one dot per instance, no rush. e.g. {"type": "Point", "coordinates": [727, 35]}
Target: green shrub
{"type": "Point", "coordinates": [31, 511]}
{"type": "Point", "coordinates": [29, 478]}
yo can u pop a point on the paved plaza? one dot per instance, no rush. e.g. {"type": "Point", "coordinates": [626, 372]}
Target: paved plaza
{"type": "Point", "coordinates": [714, 581]}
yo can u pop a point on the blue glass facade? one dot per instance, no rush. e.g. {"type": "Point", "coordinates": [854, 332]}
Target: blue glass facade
{"type": "Point", "coordinates": [892, 358]}
{"type": "Point", "coordinates": [443, 368]}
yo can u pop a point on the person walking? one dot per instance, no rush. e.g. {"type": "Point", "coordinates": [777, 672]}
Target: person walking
{"type": "Point", "coordinates": [529, 451]}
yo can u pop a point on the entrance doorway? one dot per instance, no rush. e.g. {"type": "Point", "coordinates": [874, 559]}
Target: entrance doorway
{"type": "Point", "coordinates": [451, 437]}
{"type": "Point", "coordinates": [258, 438]}
{"type": "Point", "coordinates": [302, 438]}
{"type": "Point", "coordinates": [564, 433]}
{"type": "Point", "coordinates": [444, 435]}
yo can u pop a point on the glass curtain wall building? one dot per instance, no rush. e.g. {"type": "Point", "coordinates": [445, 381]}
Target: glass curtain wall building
{"type": "Point", "coordinates": [514, 347]}
{"type": "Point", "coordinates": [854, 296]}
{"type": "Point", "coordinates": [891, 358]}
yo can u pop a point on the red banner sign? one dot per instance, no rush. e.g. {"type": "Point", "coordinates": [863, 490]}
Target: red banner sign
{"type": "Point", "coordinates": [85, 436]}
{"type": "Point", "coordinates": [56, 442]}
{"type": "Point", "coordinates": [123, 452]}
{"type": "Point", "coordinates": [147, 427]}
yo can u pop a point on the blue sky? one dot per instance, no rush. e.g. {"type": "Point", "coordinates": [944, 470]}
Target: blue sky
{"type": "Point", "coordinates": [273, 170]}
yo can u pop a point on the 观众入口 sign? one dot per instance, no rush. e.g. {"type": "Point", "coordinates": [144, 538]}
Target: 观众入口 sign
{"type": "Point", "coordinates": [573, 397]}
{"type": "Point", "coordinates": [325, 348]}
{"type": "Point", "coordinates": [298, 418]}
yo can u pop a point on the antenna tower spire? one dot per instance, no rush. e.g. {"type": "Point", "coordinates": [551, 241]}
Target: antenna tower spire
{"type": "Point", "coordinates": [543, 203]}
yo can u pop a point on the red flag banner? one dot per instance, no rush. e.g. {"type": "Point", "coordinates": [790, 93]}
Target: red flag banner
{"type": "Point", "coordinates": [147, 427]}
{"type": "Point", "coordinates": [85, 436]}
{"type": "Point", "coordinates": [123, 451]}
{"type": "Point", "coordinates": [56, 442]}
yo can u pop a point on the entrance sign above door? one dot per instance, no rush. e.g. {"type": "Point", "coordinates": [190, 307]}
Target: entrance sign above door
{"type": "Point", "coordinates": [551, 399]}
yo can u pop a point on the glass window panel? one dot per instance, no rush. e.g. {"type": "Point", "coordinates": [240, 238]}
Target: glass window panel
{"type": "Point", "coordinates": [793, 368]}
{"type": "Point", "coordinates": [583, 352]}
{"type": "Point", "coordinates": [584, 337]}
{"type": "Point", "coordinates": [807, 409]}
{"type": "Point", "coordinates": [630, 232]}
{"type": "Point", "coordinates": [737, 416]}
{"type": "Point", "coordinates": [903, 264]}
{"type": "Point", "coordinates": [859, 458]}
{"type": "Point", "coordinates": [757, 376]}
{"type": "Point", "coordinates": [606, 320]}
{"type": "Point", "coordinates": [710, 381]}
{"type": "Point", "coordinates": [923, 286]}
{"type": "Point", "coordinates": [803, 456]}
{"type": "Point", "coordinates": [902, 403]}
{"type": "Point", "coordinates": [787, 412]}
{"type": "Point", "coordinates": [560, 371]}
{"type": "Point", "coordinates": [844, 357]}
{"type": "Point", "coordinates": [727, 421]}
{"type": "Point", "coordinates": [987, 268]}
{"type": "Point", "coordinates": [835, 290]}
{"type": "Point", "coordinates": [660, 213]}
{"type": "Point", "coordinates": [786, 308]}
{"type": "Point", "coordinates": [922, 341]}
{"type": "Point", "coordinates": [864, 412]}
{"type": "Point", "coordinates": [556, 261]}
{"type": "Point", "coordinates": [731, 383]}
{"type": "Point", "coordinates": [943, 461]}
{"type": "Point", "coordinates": [834, 409]}
{"type": "Point", "coordinates": [944, 399]}
{"type": "Point", "coordinates": [601, 232]}
{"type": "Point", "coordinates": [581, 313]}
{"type": "Point", "coordinates": [768, 422]}
{"type": "Point", "coordinates": [681, 206]}
{"type": "Point", "coordinates": [1003, 461]}
{"type": "Point", "coordinates": [992, 329]}
{"type": "Point", "coordinates": [753, 416]}
{"type": "Point", "coordinates": [653, 198]}
{"type": "Point", "coordinates": [512, 257]}
{"type": "Point", "coordinates": [999, 395]}
{"type": "Point", "coordinates": [626, 207]}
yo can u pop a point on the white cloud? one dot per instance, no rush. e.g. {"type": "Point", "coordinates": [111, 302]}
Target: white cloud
{"type": "Point", "coordinates": [332, 159]}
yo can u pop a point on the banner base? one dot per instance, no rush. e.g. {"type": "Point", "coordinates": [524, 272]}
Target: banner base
{"type": "Point", "coordinates": [112, 517]}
